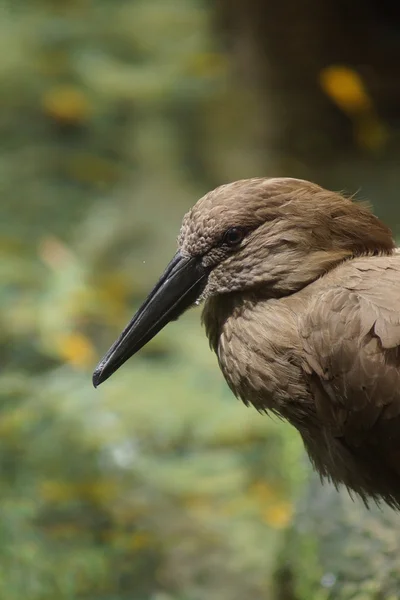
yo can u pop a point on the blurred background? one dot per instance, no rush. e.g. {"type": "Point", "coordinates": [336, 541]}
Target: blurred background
{"type": "Point", "coordinates": [115, 116]}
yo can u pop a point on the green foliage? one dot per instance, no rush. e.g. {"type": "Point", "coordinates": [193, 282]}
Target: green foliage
{"type": "Point", "coordinates": [159, 485]}
{"type": "Point", "coordinates": [337, 549]}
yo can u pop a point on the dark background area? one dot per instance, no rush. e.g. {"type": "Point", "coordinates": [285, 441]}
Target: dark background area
{"type": "Point", "coordinates": [115, 116]}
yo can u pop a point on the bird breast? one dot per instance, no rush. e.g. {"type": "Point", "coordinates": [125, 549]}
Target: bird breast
{"type": "Point", "coordinates": [259, 351]}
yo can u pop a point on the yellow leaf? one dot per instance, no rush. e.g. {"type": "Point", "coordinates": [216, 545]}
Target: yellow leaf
{"type": "Point", "coordinates": [278, 515]}
{"type": "Point", "coordinates": [66, 104]}
{"type": "Point", "coordinates": [76, 349]}
{"type": "Point", "coordinates": [262, 492]}
{"type": "Point", "coordinates": [345, 87]}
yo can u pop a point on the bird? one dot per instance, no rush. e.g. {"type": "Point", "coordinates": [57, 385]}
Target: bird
{"type": "Point", "coordinates": [300, 289]}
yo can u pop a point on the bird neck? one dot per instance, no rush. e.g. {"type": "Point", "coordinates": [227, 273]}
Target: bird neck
{"type": "Point", "coordinates": [218, 309]}
{"type": "Point", "coordinates": [227, 311]}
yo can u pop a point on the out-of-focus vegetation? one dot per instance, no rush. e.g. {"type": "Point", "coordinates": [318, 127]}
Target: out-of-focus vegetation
{"type": "Point", "coordinates": [159, 485]}
{"type": "Point", "coordinates": [337, 549]}
{"type": "Point", "coordinates": [115, 116]}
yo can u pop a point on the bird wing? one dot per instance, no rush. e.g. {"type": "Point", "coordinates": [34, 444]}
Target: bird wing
{"type": "Point", "coordinates": [351, 340]}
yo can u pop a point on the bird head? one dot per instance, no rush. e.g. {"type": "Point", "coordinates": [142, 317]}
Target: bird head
{"type": "Point", "coordinates": [272, 236]}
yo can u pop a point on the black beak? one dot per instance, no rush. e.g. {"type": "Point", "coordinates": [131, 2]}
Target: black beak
{"type": "Point", "coordinates": [178, 288]}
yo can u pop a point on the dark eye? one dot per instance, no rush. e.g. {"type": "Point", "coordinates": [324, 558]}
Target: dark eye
{"type": "Point", "coordinates": [233, 236]}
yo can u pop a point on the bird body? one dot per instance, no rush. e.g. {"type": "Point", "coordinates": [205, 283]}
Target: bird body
{"type": "Point", "coordinates": [301, 290]}
{"type": "Point", "coordinates": [326, 359]}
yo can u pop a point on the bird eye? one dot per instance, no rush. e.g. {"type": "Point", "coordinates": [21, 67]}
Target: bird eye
{"type": "Point", "coordinates": [233, 236]}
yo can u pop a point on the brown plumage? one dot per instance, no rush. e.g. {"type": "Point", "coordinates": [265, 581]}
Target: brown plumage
{"type": "Point", "coordinates": [302, 307]}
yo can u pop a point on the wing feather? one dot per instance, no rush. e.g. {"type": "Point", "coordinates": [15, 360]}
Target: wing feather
{"type": "Point", "coordinates": [351, 340]}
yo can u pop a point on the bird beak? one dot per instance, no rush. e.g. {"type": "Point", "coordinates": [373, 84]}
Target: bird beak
{"type": "Point", "coordinates": [179, 287]}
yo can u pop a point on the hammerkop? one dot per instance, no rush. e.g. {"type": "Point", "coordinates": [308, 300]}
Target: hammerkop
{"type": "Point", "coordinates": [302, 307]}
